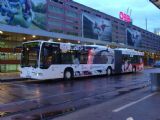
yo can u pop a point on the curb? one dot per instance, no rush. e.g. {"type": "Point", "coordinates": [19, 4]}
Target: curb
{"type": "Point", "coordinates": [12, 79]}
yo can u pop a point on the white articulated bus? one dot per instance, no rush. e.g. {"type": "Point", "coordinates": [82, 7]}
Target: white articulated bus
{"type": "Point", "coordinates": [51, 60]}
{"type": "Point", "coordinates": [128, 60]}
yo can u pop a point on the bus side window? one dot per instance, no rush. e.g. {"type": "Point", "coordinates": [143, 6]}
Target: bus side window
{"type": "Point", "coordinates": [56, 57]}
{"type": "Point", "coordinates": [66, 57]}
{"type": "Point", "coordinates": [84, 58]}
{"type": "Point", "coordinates": [75, 57]}
{"type": "Point", "coordinates": [47, 59]}
{"type": "Point", "coordinates": [141, 60]}
{"type": "Point", "coordinates": [75, 60]}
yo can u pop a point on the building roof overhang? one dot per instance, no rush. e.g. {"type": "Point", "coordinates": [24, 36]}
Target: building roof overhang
{"type": "Point", "coordinates": [156, 3]}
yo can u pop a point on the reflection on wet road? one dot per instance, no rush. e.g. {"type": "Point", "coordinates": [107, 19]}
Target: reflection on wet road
{"type": "Point", "coordinates": [19, 91]}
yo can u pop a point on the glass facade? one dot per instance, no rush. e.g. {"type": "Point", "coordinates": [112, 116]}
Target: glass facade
{"type": "Point", "coordinates": [72, 14]}
{"type": "Point", "coordinates": [9, 68]}
{"type": "Point", "coordinates": [72, 27]}
{"type": "Point", "coordinates": [56, 9]}
{"type": "Point", "coordinates": [9, 57]}
{"type": "Point", "coordinates": [55, 23]}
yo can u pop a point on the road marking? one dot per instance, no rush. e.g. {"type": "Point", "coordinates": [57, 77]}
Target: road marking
{"type": "Point", "coordinates": [133, 103]}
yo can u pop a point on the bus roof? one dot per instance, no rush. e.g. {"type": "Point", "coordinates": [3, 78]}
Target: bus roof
{"type": "Point", "coordinates": [127, 51]}
{"type": "Point", "coordinates": [124, 50]}
{"type": "Point", "coordinates": [98, 46]}
{"type": "Point", "coordinates": [39, 41]}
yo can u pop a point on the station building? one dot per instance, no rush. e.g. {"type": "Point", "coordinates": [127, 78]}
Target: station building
{"type": "Point", "coordinates": [66, 21]}
{"type": "Point", "coordinates": [157, 31]}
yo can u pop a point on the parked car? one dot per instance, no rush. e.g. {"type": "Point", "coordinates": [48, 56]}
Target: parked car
{"type": "Point", "coordinates": [156, 64]}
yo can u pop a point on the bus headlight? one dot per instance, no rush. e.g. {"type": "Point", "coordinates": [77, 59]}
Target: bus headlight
{"type": "Point", "coordinates": [39, 74]}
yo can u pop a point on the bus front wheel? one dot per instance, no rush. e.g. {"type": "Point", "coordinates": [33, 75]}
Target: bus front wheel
{"type": "Point", "coordinates": [68, 74]}
{"type": "Point", "coordinates": [109, 71]}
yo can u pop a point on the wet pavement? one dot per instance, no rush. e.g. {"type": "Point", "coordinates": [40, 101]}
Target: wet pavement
{"type": "Point", "coordinates": [138, 105]}
{"type": "Point", "coordinates": [77, 91]}
{"type": "Point", "coordinates": [24, 90]}
{"type": "Point", "coordinates": [9, 76]}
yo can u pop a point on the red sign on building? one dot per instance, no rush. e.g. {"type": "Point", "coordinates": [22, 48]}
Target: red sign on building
{"type": "Point", "coordinates": [123, 16]}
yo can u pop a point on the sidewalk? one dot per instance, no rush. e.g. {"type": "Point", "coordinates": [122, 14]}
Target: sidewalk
{"type": "Point", "coordinates": [139, 105]}
{"type": "Point", "coordinates": [10, 76]}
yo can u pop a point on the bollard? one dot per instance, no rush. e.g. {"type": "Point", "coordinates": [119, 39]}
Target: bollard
{"type": "Point", "coordinates": [155, 82]}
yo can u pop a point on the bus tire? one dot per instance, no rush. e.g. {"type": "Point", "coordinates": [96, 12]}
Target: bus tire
{"type": "Point", "coordinates": [68, 74]}
{"type": "Point", "coordinates": [109, 71]}
{"type": "Point", "coordinates": [134, 69]}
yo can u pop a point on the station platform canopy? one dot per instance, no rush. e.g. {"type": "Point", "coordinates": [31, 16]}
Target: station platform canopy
{"type": "Point", "coordinates": [156, 3]}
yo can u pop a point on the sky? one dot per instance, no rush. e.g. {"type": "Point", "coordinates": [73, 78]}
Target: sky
{"type": "Point", "coordinates": [140, 10]}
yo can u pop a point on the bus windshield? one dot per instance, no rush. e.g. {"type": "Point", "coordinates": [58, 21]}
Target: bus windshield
{"type": "Point", "coordinates": [30, 54]}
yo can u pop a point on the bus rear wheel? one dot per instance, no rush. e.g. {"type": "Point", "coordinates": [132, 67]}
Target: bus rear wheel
{"type": "Point", "coordinates": [68, 75]}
